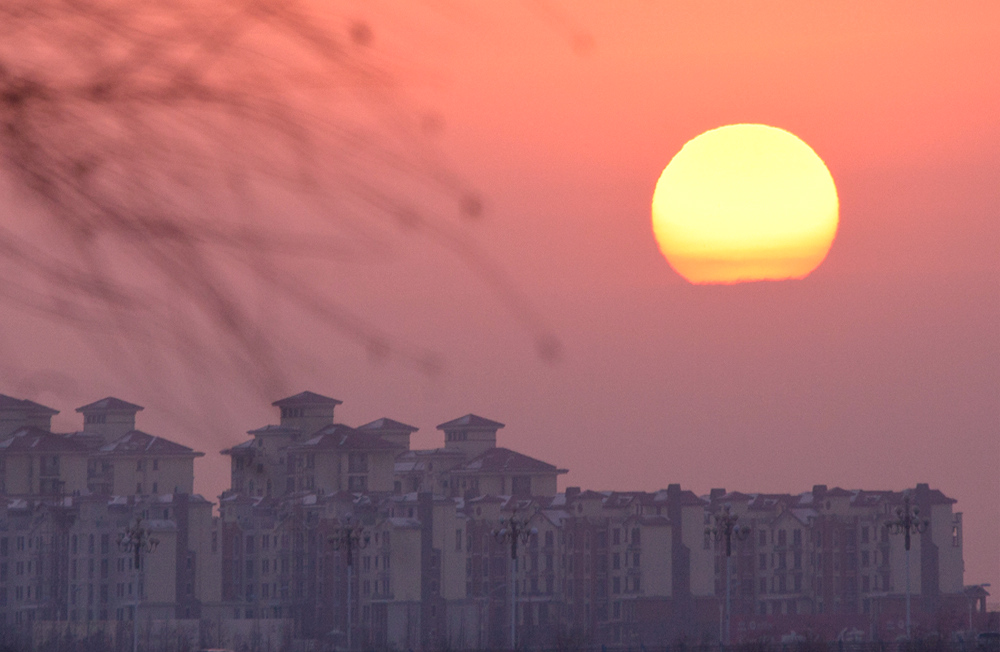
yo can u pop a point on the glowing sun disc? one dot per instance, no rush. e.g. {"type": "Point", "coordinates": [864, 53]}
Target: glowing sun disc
{"type": "Point", "coordinates": [745, 202]}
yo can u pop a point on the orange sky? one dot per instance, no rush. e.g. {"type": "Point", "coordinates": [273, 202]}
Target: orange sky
{"type": "Point", "coordinates": [880, 370]}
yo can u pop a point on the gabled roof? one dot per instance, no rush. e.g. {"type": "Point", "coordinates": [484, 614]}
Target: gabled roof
{"type": "Point", "coordinates": [504, 460]}
{"type": "Point", "coordinates": [275, 430]}
{"type": "Point", "coordinates": [136, 442]}
{"type": "Point", "coordinates": [471, 422]}
{"type": "Point", "coordinates": [232, 450]}
{"type": "Point", "coordinates": [110, 404]}
{"type": "Point", "coordinates": [306, 398]}
{"type": "Point", "coordinates": [31, 439]}
{"type": "Point", "coordinates": [10, 403]}
{"type": "Point", "coordinates": [337, 436]}
{"type": "Point", "coordinates": [90, 440]}
{"type": "Point", "coordinates": [388, 424]}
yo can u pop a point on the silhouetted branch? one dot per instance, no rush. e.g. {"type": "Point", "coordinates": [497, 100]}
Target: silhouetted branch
{"type": "Point", "coordinates": [165, 143]}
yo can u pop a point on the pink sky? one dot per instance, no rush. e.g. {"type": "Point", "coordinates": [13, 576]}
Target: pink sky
{"type": "Point", "coordinates": [878, 371]}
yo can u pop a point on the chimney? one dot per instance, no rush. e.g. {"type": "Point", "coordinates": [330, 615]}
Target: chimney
{"type": "Point", "coordinates": [716, 494]}
{"type": "Point", "coordinates": [571, 493]}
{"type": "Point", "coordinates": [818, 492]}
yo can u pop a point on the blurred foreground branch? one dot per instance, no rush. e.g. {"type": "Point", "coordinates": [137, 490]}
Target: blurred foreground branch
{"type": "Point", "coordinates": [161, 149]}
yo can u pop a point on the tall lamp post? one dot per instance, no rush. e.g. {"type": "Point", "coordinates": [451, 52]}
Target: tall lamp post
{"type": "Point", "coordinates": [907, 522]}
{"type": "Point", "coordinates": [346, 538]}
{"type": "Point", "coordinates": [137, 540]}
{"type": "Point", "coordinates": [513, 530]}
{"type": "Point", "coordinates": [725, 529]}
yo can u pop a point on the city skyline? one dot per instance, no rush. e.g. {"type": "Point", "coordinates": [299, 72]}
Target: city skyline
{"type": "Point", "coordinates": [463, 538]}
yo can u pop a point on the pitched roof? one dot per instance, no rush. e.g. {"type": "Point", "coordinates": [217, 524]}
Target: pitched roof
{"type": "Point", "coordinates": [275, 430]}
{"type": "Point", "coordinates": [136, 442]}
{"type": "Point", "coordinates": [337, 436]}
{"type": "Point", "coordinates": [387, 424]}
{"type": "Point", "coordinates": [232, 450]}
{"type": "Point", "coordinates": [471, 422]}
{"type": "Point", "coordinates": [504, 460]}
{"type": "Point", "coordinates": [306, 398]}
{"type": "Point", "coordinates": [110, 404]}
{"type": "Point", "coordinates": [11, 403]}
{"type": "Point", "coordinates": [31, 439]}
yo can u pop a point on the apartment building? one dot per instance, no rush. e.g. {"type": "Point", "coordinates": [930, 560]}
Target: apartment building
{"type": "Point", "coordinates": [345, 536]}
{"type": "Point", "coordinates": [431, 571]}
{"type": "Point", "coordinates": [826, 557]}
{"type": "Point", "coordinates": [65, 501]}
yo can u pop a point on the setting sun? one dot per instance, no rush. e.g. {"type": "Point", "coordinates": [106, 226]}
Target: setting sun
{"type": "Point", "coordinates": [745, 202]}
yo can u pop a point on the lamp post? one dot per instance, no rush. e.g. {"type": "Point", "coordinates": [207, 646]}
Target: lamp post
{"type": "Point", "coordinates": [513, 530]}
{"type": "Point", "coordinates": [347, 538]}
{"type": "Point", "coordinates": [137, 540]}
{"type": "Point", "coordinates": [725, 529]}
{"type": "Point", "coordinates": [907, 522]}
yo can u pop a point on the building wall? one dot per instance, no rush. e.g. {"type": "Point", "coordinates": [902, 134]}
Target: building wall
{"type": "Point", "coordinates": [153, 475]}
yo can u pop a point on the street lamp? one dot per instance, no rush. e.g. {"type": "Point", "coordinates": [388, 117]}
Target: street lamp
{"type": "Point", "coordinates": [137, 540]}
{"type": "Point", "coordinates": [725, 528]}
{"type": "Point", "coordinates": [513, 530]}
{"type": "Point", "coordinates": [346, 538]}
{"type": "Point", "coordinates": [907, 522]}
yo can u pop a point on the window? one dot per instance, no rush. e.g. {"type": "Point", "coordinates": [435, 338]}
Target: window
{"type": "Point", "coordinates": [797, 537]}
{"type": "Point", "coordinates": [520, 485]}
{"type": "Point", "coordinates": [616, 561]}
{"type": "Point", "coordinates": [763, 561]}
{"type": "Point", "coordinates": [762, 538]}
{"type": "Point", "coordinates": [782, 539]}
{"type": "Point", "coordinates": [357, 463]}
{"type": "Point", "coordinates": [864, 534]}
{"type": "Point", "coordinates": [458, 540]}
{"type": "Point", "coordinates": [616, 536]}
{"type": "Point", "coordinates": [357, 483]}
{"type": "Point", "coordinates": [616, 585]}
{"type": "Point", "coordinates": [763, 586]}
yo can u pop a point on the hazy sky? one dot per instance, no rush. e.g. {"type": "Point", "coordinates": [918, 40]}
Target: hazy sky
{"type": "Point", "coordinates": [878, 371]}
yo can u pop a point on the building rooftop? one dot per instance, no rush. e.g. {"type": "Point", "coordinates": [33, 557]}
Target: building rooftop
{"type": "Point", "coordinates": [136, 442]}
{"type": "Point", "coordinates": [11, 403]}
{"type": "Point", "coordinates": [306, 398]}
{"type": "Point", "coordinates": [31, 439]}
{"type": "Point", "coordinates": [504, 460]}
{"type": "Point", "coordinates": [337, 436]}
{"type": "Point", "coordinates": [388, 424]}
{"type": "Point", "coordinates": [110, 404]}
{"type": "Point", "coordinates": [471, 422]}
